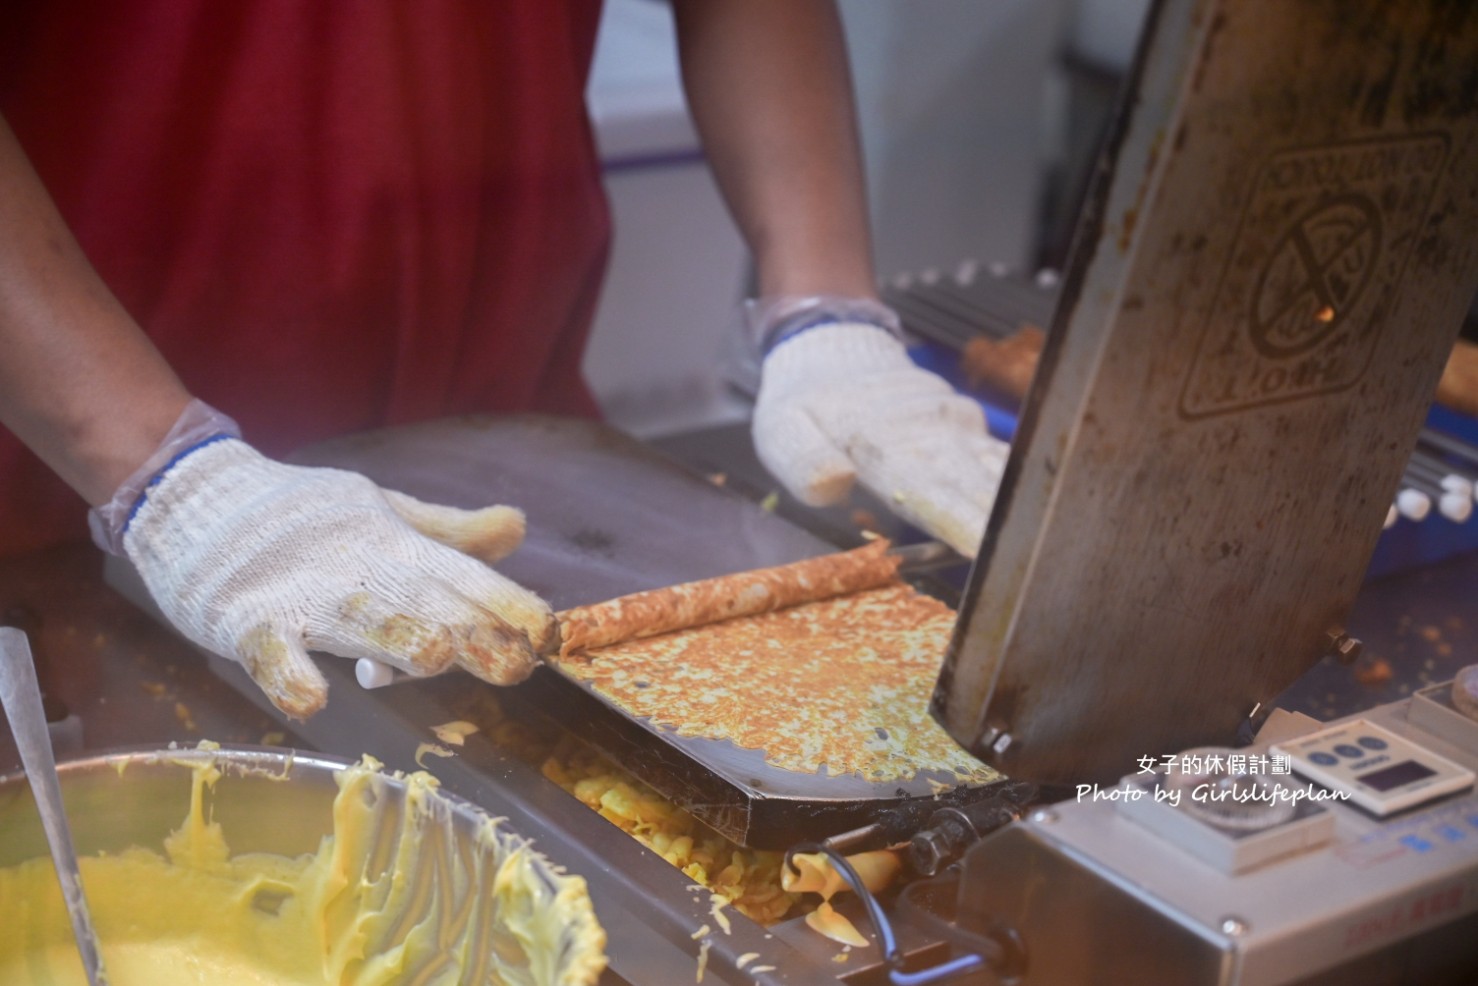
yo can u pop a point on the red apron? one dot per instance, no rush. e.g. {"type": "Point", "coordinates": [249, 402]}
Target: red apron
{"type": "Point", "coordinates": [329, 216]}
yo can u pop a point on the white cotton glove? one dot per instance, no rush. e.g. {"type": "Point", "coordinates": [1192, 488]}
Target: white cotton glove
{"type": "Point", "coordinates": [843, 402]}
{"type": "Point", "coordinates": [262, 562]}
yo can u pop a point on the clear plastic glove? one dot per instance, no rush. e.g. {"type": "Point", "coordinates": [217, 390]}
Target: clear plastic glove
{"type": "Point", "coordinates": [843, 402]}
{"type": "Point", "coordinates": [262, 562]}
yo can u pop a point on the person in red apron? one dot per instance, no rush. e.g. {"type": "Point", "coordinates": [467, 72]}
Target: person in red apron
{"type": "Point", "coordinates": [325, 217]}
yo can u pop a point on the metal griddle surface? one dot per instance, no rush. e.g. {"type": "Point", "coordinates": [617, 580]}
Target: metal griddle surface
{"type": "Point", "coordinates": [608, 516]}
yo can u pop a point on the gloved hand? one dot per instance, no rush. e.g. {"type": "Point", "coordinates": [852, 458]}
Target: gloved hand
{"type": "Point", "coordinates": [261, 562]}
{"type": "Point", "coordinates": [840, 402]}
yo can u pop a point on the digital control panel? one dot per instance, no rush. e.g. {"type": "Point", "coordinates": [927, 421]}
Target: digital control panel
{"type": "Point", "coordinates": [1378, 770]}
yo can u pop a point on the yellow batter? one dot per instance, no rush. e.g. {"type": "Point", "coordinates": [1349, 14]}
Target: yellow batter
{"type": "Point", "coordinates": [384, 900]}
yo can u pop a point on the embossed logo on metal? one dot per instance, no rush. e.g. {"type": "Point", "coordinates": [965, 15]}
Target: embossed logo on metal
{"type": "Point", "coordinates": [1304, 296]}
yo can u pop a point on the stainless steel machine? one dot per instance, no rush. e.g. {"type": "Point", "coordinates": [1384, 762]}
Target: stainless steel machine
{"type": "Point", "coordinates": [1267, 283]}
{"type": "Point", "coordinates": [1274, 265]}
{"type": "Point", "coordinates": [1225, 883]}
{"type": "Point", "coordinates": [1279, 249]}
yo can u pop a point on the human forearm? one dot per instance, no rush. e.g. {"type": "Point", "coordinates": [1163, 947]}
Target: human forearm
{"type": "Point", "coordinates": [80, 384]}
{"type": "Point", "coordinates": [771, 94]}
{"type": "Point", "coordinates": [840, 401]}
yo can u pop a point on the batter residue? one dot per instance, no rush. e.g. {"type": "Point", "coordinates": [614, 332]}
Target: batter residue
{"type": "Point", "coordinates": [390, 897]}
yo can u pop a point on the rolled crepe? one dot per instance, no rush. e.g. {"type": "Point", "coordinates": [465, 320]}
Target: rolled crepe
{"type": "Point", "coordinates": [1004, 367]}
{"type": "Point", "coordinates": [693, 604]}
{"type": "Point", "coordinates": [1458, 388]}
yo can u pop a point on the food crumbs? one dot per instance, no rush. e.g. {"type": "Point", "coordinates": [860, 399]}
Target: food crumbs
{"type": "Point", "coordinates": [770, 502]}
{"type": "Point", "coordinates": [1375, 671]}
{"type": "Point", "coordinates": [182, 713]}
{"type": "Point", "coordinates": [763, 968]}
{"type": "Point", "coordinates": [702, 960]}
{"type": "Point", "coordinates": [700, 932]}
{"type": "Point", "coordinates": [432, 749]}
{"type": "Point", "coordinates": [717, 912]}
{"type": "Point", "coordinates": [828, 921]}
{"type": "Point", "coordinates": [274, 738]}
{"type": "Point", "coordinates": [454, 732]}
{"type": "Point", "coordinates": [154, 688]}
{"type": "Point", "coordinates": [745, 959]}
{"type": "Point", "coordinates": [839, 957]}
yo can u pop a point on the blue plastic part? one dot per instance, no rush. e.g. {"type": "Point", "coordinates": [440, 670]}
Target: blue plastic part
{"type": "Point", "coordinates": [946, 362]}
{"type": "Point", "coordinates": [1416, 544]}
{"type": "Point", "coordinates": [1407, 545]}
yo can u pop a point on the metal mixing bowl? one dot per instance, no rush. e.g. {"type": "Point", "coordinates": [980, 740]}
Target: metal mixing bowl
{"type": "Point", "coordinates": [136, 798]}
{"type": "Point", "coordinates": [280, 802]}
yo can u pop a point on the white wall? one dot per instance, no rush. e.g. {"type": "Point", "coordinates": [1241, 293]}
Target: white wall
{"type": "Point", "coordinates": [677, 263]}
{"type": "Point", "coordinates": [951, 101]}
{"type": "Point", "coordinates": [951, 97]}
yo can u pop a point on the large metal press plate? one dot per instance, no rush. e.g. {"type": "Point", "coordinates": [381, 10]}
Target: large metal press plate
{"type": "Point", "coordinates": [1269, 277]}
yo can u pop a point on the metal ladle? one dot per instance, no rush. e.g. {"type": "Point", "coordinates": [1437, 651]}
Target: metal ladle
{"type": "Point", "coordinates": [21, 697]}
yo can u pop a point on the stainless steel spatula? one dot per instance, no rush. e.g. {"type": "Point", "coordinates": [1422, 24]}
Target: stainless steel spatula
{"type": "Point", "coordinates": [21, 698]}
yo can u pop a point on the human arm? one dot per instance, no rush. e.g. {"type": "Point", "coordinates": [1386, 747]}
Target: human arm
{"type": "Point", "coordinates": [839, 399]}
{"type": "Point", "coordinates": [253, 559]}
{"type": "Point", "coordinates": [80, 383]}
{"type": "Point", "coordinates": [770, 92]}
